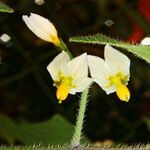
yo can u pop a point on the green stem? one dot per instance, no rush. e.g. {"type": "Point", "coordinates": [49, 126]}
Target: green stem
{"type": "Point", "coordinates": [82, 106]}
{"type": "Point", "coordinates": [63, 47]}
{"type": "Point", "coordinates": [80, 119]}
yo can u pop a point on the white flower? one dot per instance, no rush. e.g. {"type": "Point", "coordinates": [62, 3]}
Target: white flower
{"type": "Point", "coordinates": [39, 2]}
{"type": "Point", "coordinates": [112, 74]}
{"type": "Point", "coordinates": [5, 37]}
{"type": "Point", "coordinates": [42, 28]}
{"type": "Point", "coordinates": [69, 76]}
{"type": "Point", "coordinates": [145, 41]}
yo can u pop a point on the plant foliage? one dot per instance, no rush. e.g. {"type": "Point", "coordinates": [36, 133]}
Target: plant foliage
{"type": "Point", "coordinates": [57, 130]}
{"type": "Point", "coordinates": [139, 50]}
{"type": "Point", "coordinates": [5, 8]}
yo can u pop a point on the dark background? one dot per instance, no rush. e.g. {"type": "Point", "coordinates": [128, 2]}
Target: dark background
{"type": "Point", "coordinates": [26, 91]}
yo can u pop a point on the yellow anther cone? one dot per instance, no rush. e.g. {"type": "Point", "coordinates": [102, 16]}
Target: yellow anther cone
{"type": "Point", "coordinates": [62, 92]}
{"type": "Point", "coordinates": [123, 93]}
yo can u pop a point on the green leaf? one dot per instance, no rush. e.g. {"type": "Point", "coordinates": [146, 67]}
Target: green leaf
{"type": "Point", "coordinates": [5, 8]}
{"type": "Point", "coordinates": [54, 131]}
{"type": "Point", "coordinates": [6, 128]}
{"type": "Point", "coordinates": [139, 50]}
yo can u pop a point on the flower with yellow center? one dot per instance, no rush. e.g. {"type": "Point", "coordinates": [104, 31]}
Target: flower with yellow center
{"type": "Point", "coordinates": [69, 76]}
{"type": "Point", "coordinates": [111, 74]}
{"type": "Point", "coordinates": [42, 28]}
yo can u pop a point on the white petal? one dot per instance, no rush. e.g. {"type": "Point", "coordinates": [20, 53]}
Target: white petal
{"type": "Point", "coordinates": [44, 24]}
{"type": "Point", "coordinates": [100, 73]}
{"type": "Point", "coordinates": [59, 64]}
{"type": "Point", "coordinates": [109, 90]}
{"type": "Point", "coordinates": [35, 29]}
{"type": "Point", "coordinates": [98, 68]}
{"type": "Point", "coordinates": [117, 61]}
{"type": "Point", "coordinates": [40, 26]}
{"type": "Point", "coordinates": [78, 67]}
{"type": "Point", "coordinates": [81, 85]}
{"type": "Point", "coordinates": [104, 86]}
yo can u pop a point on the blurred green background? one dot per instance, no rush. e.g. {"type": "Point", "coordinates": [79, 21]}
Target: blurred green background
{"type": "Point", "coordinates": [29, 110]}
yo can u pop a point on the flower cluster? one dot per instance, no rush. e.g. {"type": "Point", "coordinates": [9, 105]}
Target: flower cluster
{"type": "Point", "coordinates": [71, 75]}
{"type": "Point", "coordinates": [111, 74]}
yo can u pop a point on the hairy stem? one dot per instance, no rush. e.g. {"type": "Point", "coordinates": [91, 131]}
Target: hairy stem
{"type": "Point", "coordinates": [82, 105]}
{"type": "Point", "coordinates": [80, 119]}
{"type": "Point", "coordinates": [63, 47]}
